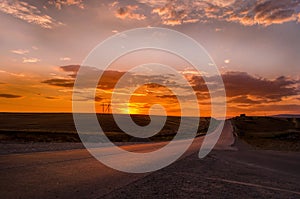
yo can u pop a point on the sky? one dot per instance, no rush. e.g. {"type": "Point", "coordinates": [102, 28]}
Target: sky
{"type": "Point", "coordinates": [255, 45]}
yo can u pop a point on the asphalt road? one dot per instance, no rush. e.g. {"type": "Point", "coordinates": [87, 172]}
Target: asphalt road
{"type": "Point", "coordinates": [228, 171]}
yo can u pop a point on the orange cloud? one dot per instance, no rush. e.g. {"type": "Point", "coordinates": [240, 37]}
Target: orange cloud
{"type": "Point", "coordinates": [245, 93]}
{"type": "Point", "coordinates": [172, 14]}
{"type": "Point", "coordinates": [27, 12]}
{"type": "Point", "coordinates": [261, 12]}
{"type": "Point", "coordinates": [12, 74]}
{"type": "Point", "coordinates": [59, 3]}
{"type": "Point", "coordinates": [30, 60]}
{"type": "Point", "coordinates": [146, 96]}
{"type": "Point", "coordinates": [129, 12]}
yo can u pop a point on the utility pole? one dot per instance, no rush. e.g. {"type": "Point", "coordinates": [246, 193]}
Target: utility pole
{"type": "Point", "coordinates": [106, 107]}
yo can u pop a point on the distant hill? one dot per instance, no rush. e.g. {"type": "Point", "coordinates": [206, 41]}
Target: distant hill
{"type": "Point", "coordinates": [287, 116]}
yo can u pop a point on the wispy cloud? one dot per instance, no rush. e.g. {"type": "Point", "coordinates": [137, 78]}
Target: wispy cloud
{"type": "Point", "coordinates": [174, 13]}
{"type": "Point", "coordinates": [60, 3]}
{"type": "Point", "coordinates": [34, 48]}
{"type": "Point", "coordinates": [30, 60]}
{"type": "Point", "coordinates": [65, 59]}
{"type": "Point", "coordinates": [248, 13]}
{"type": "Point", "coordinates": [20, 51]}
{"type": "Point", "coordinates": [12, 74]}
{"type": "Point", "coordinates": [27, 12]}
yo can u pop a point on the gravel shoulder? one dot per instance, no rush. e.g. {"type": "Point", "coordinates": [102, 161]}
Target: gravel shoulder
{"type": "Point", "coordinates": [222, 174]}
{"type": "Point", "coordinates": [32, 147]}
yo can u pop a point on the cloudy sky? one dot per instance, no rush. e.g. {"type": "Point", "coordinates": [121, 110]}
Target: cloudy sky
{"type": "Point", "coordinates": [254, 43]}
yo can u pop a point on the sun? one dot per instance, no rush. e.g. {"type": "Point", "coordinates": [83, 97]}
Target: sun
{"type": "Point", "coordinates": [130, 108]}
{"type": "Point", "coordinates": [133, 108]}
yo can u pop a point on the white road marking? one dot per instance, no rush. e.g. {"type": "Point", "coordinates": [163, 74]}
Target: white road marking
{"type": "Point", "coordinates": [254, 185]}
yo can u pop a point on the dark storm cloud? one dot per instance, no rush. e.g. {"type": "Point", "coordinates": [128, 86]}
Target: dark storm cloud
{"type": "Point", "coordinates": [70, 68]}
{"type": "Point", "coordinates": [173, 97]}
{"type": "Point", "coordinates": [241, 88]}
{"type": "Point", "coordinates": [266, 108]}
{"type": "Point", "coordinates": [69, 83]}
{"type": "Point", "coordinates": [244, 88]}
{"type": "Point", "coordinates": [110, 78]}
{"type": "Point", "coordinates": [198, 84]}
{"type": "Point", "coordinates": [246, 100]}
{"type": "Point", "coordinates": [51, 98]}
{"type": "Point", "coordinates": [73, 70]}
{"type": "Point", "coordinates": [153, 85]}
{"type": "Point", "coordinates": [243, 84]}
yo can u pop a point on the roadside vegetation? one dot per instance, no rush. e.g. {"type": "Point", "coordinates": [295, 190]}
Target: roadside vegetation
{"type": "Point", "coordinates": [59, 127]}
{"type": "Point", "coordinates": [269, 133]}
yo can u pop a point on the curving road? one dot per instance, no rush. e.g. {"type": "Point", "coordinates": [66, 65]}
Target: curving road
{"type": "Point", "coordinates": [77, 174]}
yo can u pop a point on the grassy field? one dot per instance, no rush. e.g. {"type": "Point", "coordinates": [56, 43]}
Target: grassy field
{"type": "Point", "coordinates": [269, 133]}
{"type": "Point", "coordinates": [59, 127]}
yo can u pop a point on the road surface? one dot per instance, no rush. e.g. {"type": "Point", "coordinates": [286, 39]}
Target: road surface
{"type": "Point", "coordinates": [77, 174]}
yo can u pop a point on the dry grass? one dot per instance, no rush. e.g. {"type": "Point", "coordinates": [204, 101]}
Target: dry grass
{"type": "Point", "coordinates": [268, 133]}
{"type": "Point", "coordinates": [59, 127]}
